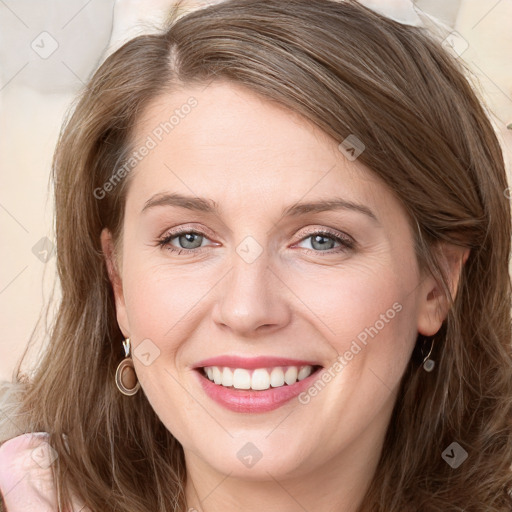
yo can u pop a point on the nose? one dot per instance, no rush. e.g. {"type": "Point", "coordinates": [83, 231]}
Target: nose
{"type": "Point", "coordinates": [252, 299]}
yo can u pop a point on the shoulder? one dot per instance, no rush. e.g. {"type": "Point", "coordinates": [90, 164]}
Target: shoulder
{"type": "Point", "coordinates": [26, 477]}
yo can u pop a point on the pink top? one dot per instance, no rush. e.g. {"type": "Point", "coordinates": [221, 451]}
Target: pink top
{"type": "Point", "coordinates": [26, 479]}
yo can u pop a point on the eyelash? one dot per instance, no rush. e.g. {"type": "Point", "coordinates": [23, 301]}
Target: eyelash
{"type": "Point", "coordinates": [346, 242]}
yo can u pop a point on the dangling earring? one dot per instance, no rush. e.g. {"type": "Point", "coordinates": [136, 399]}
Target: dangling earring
{"type": "Point", "coordinates": [126, 378]}
{"type": "Point", "coordinates": [428, 364]}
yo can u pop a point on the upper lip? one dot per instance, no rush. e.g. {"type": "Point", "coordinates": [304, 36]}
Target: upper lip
{"type": "Point", "coordinates": [251, 363]}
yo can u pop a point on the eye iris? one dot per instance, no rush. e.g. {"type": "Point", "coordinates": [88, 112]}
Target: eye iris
{"type": "Point", "coordinates": [188, 238]}
{"type": "Point", "coordinates": [321, 239]}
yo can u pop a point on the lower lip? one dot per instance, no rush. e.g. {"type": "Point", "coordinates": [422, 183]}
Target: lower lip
{"type": "Point", "coordinates": [242, 400]}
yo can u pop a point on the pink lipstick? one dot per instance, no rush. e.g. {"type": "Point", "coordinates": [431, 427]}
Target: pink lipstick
{"type": "Point", "coordinates": [262, 383]}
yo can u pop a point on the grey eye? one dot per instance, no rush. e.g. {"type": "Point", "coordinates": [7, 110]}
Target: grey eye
{"type": "Point", "coordinates": [319, 242]}
{"type": "Point", "coordinates": [190, 240]}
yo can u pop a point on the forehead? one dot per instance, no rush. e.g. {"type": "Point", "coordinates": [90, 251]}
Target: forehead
{"type": "Point", "coordinates": [225, 142]}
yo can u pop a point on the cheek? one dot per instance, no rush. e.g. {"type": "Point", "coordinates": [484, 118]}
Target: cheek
{"type": "Point", "coordinates": [366, 312]}
{"type": "Point", "coordinates": [350, 300]}
{"type": "Point", "coordinates": [165, 306]}
{"type": "Point", "coordinates": [160, 304]}
{"type": "Point", "coordinates": [160, 300]}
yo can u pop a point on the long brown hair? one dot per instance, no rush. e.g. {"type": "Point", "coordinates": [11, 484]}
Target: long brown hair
{"type": "Point", "coordinates": [351, 72]}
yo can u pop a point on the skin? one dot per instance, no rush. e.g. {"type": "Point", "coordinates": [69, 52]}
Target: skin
{"type": "Point", "coordinates": [298, 299]}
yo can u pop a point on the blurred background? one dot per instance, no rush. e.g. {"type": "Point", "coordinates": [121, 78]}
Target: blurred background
{"type": "Point", "coordinates": [47, 52]}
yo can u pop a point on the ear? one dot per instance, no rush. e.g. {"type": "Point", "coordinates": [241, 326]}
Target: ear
{"type": "Point", "coordinates": [114, 274]}
{"type": "Point", "coordinates": [434, 304]}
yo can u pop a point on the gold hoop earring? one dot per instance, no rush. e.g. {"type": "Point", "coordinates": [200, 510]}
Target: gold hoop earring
{"type": "Point", "coordinates": [126, 378]}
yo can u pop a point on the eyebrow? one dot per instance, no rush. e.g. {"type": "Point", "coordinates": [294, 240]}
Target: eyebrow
{"type": "Point", "coordinates": [182, 201]}
{"type": "Point", "coordinates": [210, 206]}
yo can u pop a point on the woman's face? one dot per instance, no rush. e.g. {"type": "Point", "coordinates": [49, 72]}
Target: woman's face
{"type": "Point", "coordinates": [289, 249]}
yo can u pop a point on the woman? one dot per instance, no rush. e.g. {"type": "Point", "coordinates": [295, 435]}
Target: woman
{"type": "Point", "coordinates": [283, 249]}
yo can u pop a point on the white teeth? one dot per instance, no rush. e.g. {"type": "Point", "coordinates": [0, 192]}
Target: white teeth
{"type": "Point", "coordinates": [277, 378]}
{"type": "Point", "coordinates": [303, 372]}
{"type": "Point", "coordinates": [217, 375]}
{"type": "Point", "coordinates": [258, 379]}
{"type": "Point", "coordinates": [290, 376]}
{"type": "Point", "coordinates": [241, 379]}
{"type": "Point", "coordinates": [227, 377]}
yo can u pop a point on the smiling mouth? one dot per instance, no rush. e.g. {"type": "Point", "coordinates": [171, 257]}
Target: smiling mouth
{"type": "Point", "coordinates": [258, 379]}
